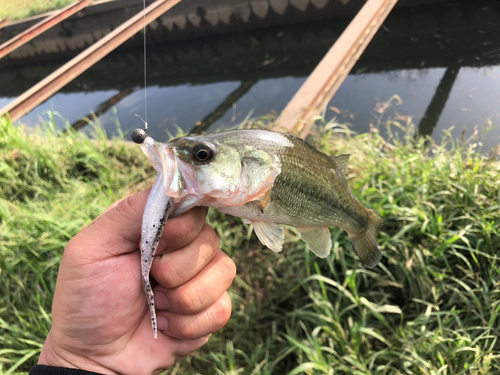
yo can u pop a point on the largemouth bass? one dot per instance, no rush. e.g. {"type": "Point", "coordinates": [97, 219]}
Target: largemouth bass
{"type": "Point", "coordinates": [267, 178]}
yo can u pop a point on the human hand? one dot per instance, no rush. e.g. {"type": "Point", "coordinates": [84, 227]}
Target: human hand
{"type": "Point", "coordinates": [100, 317]}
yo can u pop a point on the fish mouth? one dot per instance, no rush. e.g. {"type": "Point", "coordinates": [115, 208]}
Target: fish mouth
{"type": "Point", "coordinates": [164, 161]}
{"type": "Point", "coordinates": [178, 177]}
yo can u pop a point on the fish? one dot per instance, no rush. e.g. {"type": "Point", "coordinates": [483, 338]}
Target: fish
{"type": "Point", "coordinates": [267, 178]}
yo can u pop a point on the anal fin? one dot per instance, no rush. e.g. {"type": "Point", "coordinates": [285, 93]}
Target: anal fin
{"type": "Point", "coordinates": [270, 234]}
{"type": "Point", "coordinates": [318, 239]}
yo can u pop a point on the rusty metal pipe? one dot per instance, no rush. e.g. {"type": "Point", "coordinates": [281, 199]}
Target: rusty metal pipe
{"type": "Point", "coordinates": [41, 26]}
{"type": "Point", "coordinates": [315, 93]}
{"type": "Point", "coordinates": [69, 71]}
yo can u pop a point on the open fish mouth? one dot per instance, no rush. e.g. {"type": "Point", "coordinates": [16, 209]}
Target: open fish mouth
{"type": "Point", "coordinates": [165, 162]}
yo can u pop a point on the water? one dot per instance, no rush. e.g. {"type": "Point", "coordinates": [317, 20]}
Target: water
{"type": "Point", "coordinates": [442, 60]}
{"type": "Point", "coordinates": [473, 100]}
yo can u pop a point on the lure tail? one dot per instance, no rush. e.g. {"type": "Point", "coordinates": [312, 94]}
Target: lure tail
{"type": "Point", "coordinates": [158, 208]}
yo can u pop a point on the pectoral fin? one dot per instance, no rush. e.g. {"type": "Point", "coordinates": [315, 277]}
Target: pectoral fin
{"type": "Point", "coordinates": [270, 234]}
{"type": "Point", "coordinates": [259, 170]}
{"type": "Point", "coordinates": [265, 200]}
{"type": "Point", "coordinates": [318, 239]}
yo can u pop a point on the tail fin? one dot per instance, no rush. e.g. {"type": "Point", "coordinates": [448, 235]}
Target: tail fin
{"type": "Point", "coordinates": [365, 243]}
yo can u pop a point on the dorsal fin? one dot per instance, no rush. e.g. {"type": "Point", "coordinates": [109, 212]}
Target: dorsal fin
{"type": "Point", "coordinates": [341, 161]}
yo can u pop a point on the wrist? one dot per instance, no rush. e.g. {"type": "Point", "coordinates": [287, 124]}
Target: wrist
{"type": "Point", "coordinates": [53, 355]}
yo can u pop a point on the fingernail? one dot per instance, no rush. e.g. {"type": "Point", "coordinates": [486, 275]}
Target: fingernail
{"type": "Point", "coordinates": [162, 301]}
{"type": "Point", "coordinates": [162, 323]}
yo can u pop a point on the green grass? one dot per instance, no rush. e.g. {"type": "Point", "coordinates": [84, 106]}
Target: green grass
{"type": "Point", "coordinates": [19, 9]}
{"type": "Point", "coordinates": [431, 307]}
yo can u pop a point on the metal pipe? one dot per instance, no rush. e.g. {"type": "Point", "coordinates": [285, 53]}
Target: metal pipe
{"type": "Point", "coordinates": [69, 71]}
{"type": "Point", "coordinates": [41, 26]}
{"type": "Point", "coordinates": [4, 23]}
{"type": "Point", "coordinates": [321, 85]}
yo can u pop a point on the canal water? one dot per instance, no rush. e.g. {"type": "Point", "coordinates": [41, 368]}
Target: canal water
{"type": "Point", "coordinates": [441, 60]}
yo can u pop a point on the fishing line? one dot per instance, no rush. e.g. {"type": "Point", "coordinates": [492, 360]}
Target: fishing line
{"type": "Point", "coordinates": [145, 71]}
{"type": "Point", "coordinates": [139, 135]}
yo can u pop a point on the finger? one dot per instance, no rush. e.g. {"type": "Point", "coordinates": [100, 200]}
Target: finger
{"type": "Point", "coordinates": [191, 327]}
{"type": "Point", "coordinates": [183, 348]}
{"type": "Point", "coordinates": [200, 292]}
{"type": "Point", "coordinates": [175, 268]}
{"type": "Point", "coordinates": [111, 206]}
{"type": "Point", "coordinates": [118, 229]}
{"type": "Point", "coordinates": [163, 352]}
{"type": "Point", "coordinates": [169, 350]}
{"type": "Point", "coordinates": [182, 230]}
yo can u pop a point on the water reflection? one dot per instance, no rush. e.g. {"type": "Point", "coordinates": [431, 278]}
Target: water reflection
{"type": "Point", "coordinates": [443, 60]}
{"type": "Point", "coordinates": [70, 106]}
{"type": "Point", "coordinates": [472, 100]}
{"type": "Point", "coordinates": [358, 96]}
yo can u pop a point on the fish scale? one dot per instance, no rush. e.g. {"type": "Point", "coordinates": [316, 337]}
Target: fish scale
{"type": "Point", "coordinates": [304, 189]}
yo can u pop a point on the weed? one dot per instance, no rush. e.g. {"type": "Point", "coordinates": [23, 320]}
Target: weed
{"type": "Point", "coordinates": [430, 307]}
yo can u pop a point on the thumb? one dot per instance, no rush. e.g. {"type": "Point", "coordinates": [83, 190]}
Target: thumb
{"type": "Point", "coordinates": [117, 230]}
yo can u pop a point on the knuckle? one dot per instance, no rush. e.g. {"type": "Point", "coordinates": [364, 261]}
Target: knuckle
{"type": "Point", "coordinates": [222, 311]}
{"type": "Point", "coordinates": [228, 267]}
{"type": "Point", "coordinates": [187, 226]}
{"type": "Point", "coordinates": [125, 207]}
{"type": "Point", "coordinates": [209, 321]}
{"type": "Point", "coordinates": [167, 274]}
{"type": "Point", "coordinates": [208, 244]}
{"type": "Point", "coordinates": [189, 331]}
{"type": "Point", "coordinates": [189, 302]}
{"type": "Point", "coordinates": [183, 227]}
{"type": "Point", "coordinates": [210, 237]}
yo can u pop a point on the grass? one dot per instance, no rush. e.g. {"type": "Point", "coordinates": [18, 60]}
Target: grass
{"type": "Point", "coordinates": [431, 307]}
{"type": "Point", "coordinates": [19, 9]}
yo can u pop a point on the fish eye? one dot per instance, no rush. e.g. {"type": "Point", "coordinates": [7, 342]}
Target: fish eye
{"type": "Point", "coordinates": [202, 153]}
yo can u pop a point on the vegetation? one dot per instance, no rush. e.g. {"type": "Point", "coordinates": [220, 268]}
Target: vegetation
{"type": "Point", "coordinates": [19, 9]}
{"type": "Point", "coordinates": [431, 307]}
